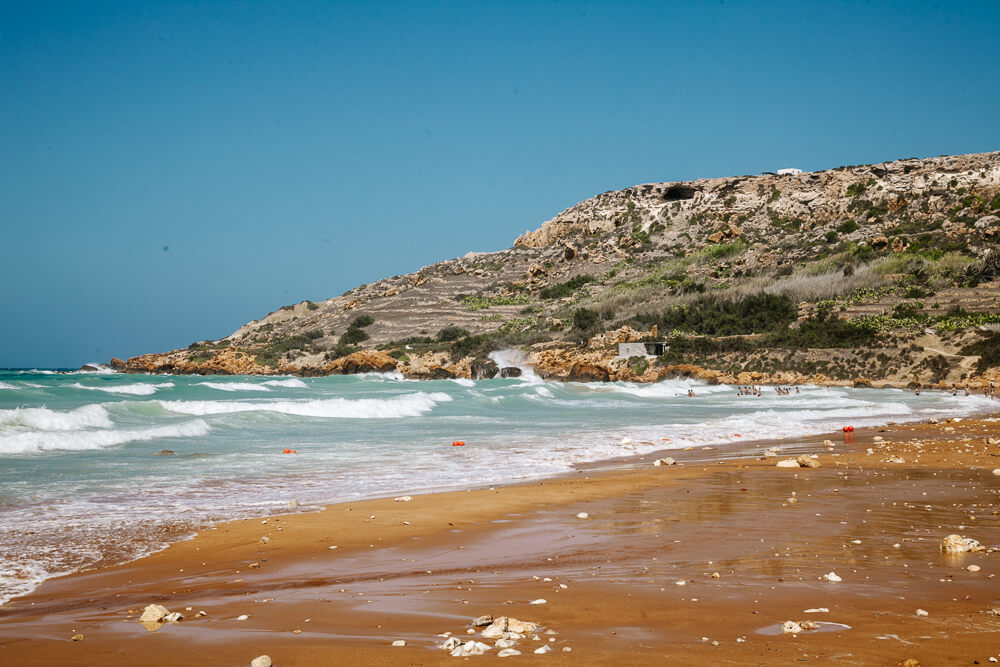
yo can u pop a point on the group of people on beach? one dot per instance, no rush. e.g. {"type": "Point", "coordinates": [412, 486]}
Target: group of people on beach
{"type": "Point", "coordinates": [754, 390]}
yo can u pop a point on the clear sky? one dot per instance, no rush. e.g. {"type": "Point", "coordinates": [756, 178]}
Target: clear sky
{"type": "Point", "coordinates": [171, 170]}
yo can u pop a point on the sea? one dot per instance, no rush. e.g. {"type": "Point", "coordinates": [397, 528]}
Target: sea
{"type": "Point", "coordinates": [85, 481]}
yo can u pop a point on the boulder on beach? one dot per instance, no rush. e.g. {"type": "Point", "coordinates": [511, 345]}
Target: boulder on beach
{"type": "Point", "coordinates": [807, 462]}
{"type": "Point", "coordinates": [154, 613]}
{"type": "Point", "coordinates": [956, 544]}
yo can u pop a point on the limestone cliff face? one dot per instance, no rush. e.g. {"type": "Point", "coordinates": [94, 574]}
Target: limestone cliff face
{"type": "Point", "coordinates": [627, 252]}
{"type": "Point", "coordinates": [809, 203]}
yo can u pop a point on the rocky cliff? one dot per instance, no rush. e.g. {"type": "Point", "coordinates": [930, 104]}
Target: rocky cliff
{"type": "Point", "coordinates": [902, 251]}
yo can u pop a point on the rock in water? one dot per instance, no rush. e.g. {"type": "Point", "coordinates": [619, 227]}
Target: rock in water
{"type": "Point", "coordinates": [173, 617]}
{"type": "Point", "coordinates": [791, 628]}
{"type": "Point", "coordinates": [154, 613]}
{"type": "Point", "coordinates": [510, 372]}
{"type": "Point", "coordinates": [832, 576]}
{"type": "Point", "coordinates": [261, 661]}
{"type": "Point", "coordinates": [956, 544]}
{"type": "Point", "coordinates": [667, 461]}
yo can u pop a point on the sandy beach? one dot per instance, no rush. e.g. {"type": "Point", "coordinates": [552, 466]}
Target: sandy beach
{"type": "Point", "coordinates": [622, 562]}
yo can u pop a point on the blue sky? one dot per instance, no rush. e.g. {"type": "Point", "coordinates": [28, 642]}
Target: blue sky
{"type": "Point", "coordinates": [171, 170]}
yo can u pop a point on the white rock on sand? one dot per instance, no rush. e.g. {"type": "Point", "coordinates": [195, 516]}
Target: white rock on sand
{"type": "Point", "coordinates": [508, 652]}
{"type": "Point", "coordinates": [956, 544]}
{"type": "Point", "coordinates": [403, 499]}
{"type": "Point", "coordinates": [787, 463]}
{"type": "Point", "coordinates": [399, 642]}
{"type": "Point", "coordinates": [154, 613]}
{"type": "Point", "coordinates": [471, 648]}
{"type": "Point", "coordinates": [450, 644]}
{"type": "Point", "coordinates": [261, 661]}
{"type": "Point", "coordinates": [582, 515]}
{"type": "Point", "coordinates": [668, 461]}
{"type": "Point", "coordinates": [832, 576]}
{"type": "Point", "coordinates": [791, 628]}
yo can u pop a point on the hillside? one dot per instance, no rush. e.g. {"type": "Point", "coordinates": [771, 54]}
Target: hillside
{"type": "Point", "coordinates": [881, 272]}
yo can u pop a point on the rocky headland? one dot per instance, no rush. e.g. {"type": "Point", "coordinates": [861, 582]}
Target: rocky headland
{"type": "Point", "coordinates": [881, 274]}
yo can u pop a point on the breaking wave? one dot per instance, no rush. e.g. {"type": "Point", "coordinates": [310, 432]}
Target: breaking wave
{"type": "Point", "coordinates": [292, 383]}
{"type": "Point", "coordinates": [409, 405]}
{"type": "Point", "coordinates": [234, 386]}
{"type": "Point", "coordinates": [44, 419]}
{"type": "Point", "coordinates": [26, 442]}
{"type": "Point", "coordinates": [137, 389]}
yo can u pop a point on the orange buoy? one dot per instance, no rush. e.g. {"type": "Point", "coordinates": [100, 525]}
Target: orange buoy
{"type": "Point", "coordinates": [737, 435]}
{"type": "Point", "coordinates": [850, 429]}
{"type": "Point", "coordinates": [458, 443]}
{"type": "Point", "coordinates": [286, 450]}
{"type": "Point", "coordinates": [666, 439]}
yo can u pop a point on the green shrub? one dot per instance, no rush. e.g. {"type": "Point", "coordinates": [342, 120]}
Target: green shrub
{"type": "Point", "coordinates": [855, 189]}
{"type": "Point", "coordinates": [362, 321]}
{"type": "Point", "coordinates": [716, 316]}
{"type": "Point", "coordinates": [831, 236]}
{"type": "Point", "coordinates": [988, 350]}
{"type": "Point", "coordinates": [585, 319]}
{"type": "Point", "coordinates": [847, 227]}
{"type": "Point", "coordinates": [312, 306]}
{"type": "Point", "coordinates": [567, 288]}
{"type": "Point", "coordinates": [353, 335]}
{"type": "Point", "coordinates": [449, 334]}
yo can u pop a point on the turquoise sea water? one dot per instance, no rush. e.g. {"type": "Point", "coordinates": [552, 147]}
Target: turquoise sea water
{"type": "Point", "coordinates": [80, 483]}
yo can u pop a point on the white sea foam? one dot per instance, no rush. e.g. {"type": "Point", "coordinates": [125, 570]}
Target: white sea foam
{"type": "Point", "coordinates": [44, 441]}
{"type": "Point", "coordinates": [44, 419]}
{"type": "Point", "coordinates": [291, 383]}
{"type": "Point", "coordinates": [464, 382]}
{"type": "Point", "coordinates": [234, 386]}
{"type": "Point", "coordinates": [135, 389]}
{"type": "Point", "coordinates": [4, 385]}
{"type": "Point", "coordinates": [408, 405]}
{"type": "Point", "coordinates": [516, 359]}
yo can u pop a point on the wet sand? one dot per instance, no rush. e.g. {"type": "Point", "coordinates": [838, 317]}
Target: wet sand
{"type": "Point", "coordinates": [698, 563]}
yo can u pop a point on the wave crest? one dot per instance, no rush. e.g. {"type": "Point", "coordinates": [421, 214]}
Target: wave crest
{"type": "Point", "coordinates": [44, 441]}
{"type": "Point", "coordinates": [408, 405]}
{"type": "Point", "coordinates": [44, 419]}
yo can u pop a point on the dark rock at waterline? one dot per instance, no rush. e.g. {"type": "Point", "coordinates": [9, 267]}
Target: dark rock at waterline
{"type": "Point", "coordinates": [165, 452]}
{"type": "Point", "coordinates": [93, 368]}
{"type": "Point", "coordinates": [510, 372]}
{"type": "Point", "coordinates": [484, 370]}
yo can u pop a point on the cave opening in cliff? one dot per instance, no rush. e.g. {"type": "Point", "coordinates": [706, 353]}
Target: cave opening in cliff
{"type": "Point", "coordinates": [678, 193]}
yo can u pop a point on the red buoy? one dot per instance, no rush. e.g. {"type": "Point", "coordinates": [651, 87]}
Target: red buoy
{"type": "Point", "coordinates": [458, 443]}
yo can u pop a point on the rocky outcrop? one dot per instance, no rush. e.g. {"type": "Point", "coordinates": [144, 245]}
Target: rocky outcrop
{"type": "Point", "coordinates": [363, 361]}
{"type": "Point", "coordinates": [639, 251]}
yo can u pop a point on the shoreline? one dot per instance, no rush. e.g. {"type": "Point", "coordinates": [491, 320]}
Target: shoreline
{"type": "Point", "coordinates": [505, 527]}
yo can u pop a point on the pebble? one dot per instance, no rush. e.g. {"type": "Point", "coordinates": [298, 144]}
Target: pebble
{"type": "Point", "coordinates": [504, 643]}
{"type": "Point", "coordinates": [403, 499]}
{"type": "Point", "coordinates": [542, 649]}
{"type": "Point", "coordinates": [173, 617]}
{"type": "Point", "coordinates": [79, 638]}
{"type": "Point", "coordinates": [817, 610]}
{"type": "Point", "coordinates": [399, 642]}
{"type": "Point", "coordinates": [921, 612]}
{"type": "Point", "coordinates": [538, 601]}
{"type": "Point", "coordinates": [242, 617]}
{"type": "Point", "coordinates": [832, 576]}
{"type": "Point", "coordinates": [261, 661]}
{"type": "Point", "coordinates": [668, 461]}
{"type": "Point", "coordinates": [582, 515]}
{"type": "Point", "coordinates": [265, 539]}
{"type": "Point", "coordinates": [508, 652]}
{"type": "Point", "coordinates": [973, 568]}
{"type": "Point", "coordinates": [996, 471]}
{"type": "Point", "coordinates": [786, 463]}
